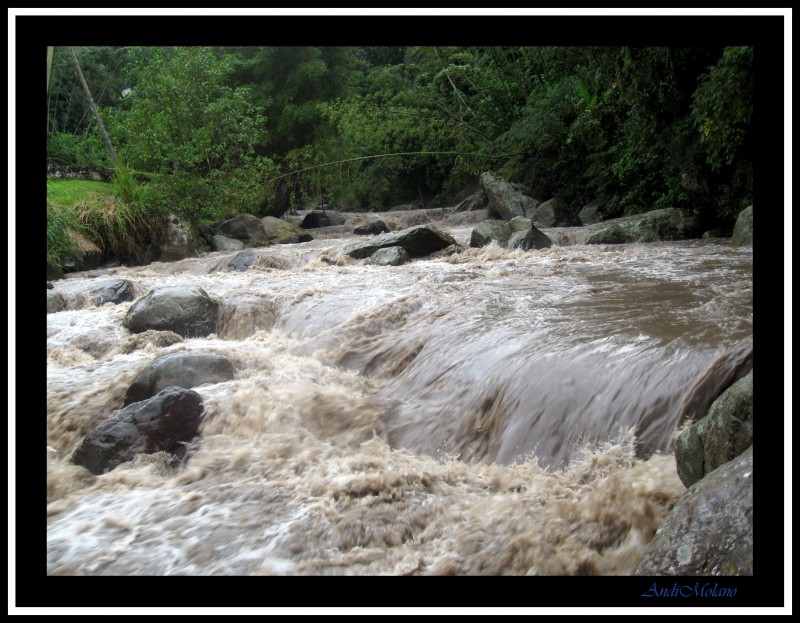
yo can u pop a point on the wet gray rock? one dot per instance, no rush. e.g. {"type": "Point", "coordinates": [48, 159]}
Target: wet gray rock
{"type": "Point", "coordinates": [49, 286]}
{"type": "Point", "coordinates": [242, 261]}
{"type": "Point", "coordinates": [179, 240]}
{"type": "Point", "coordinates": [743, 230]}
{"type": "Point", "coordinates": [111, 291]}
{"type": "Point", "coordinates": [179, 370]}
{"type": "Point", "coordinates": [721, 436]}
{"type": "Point", "coordinates": [371, 229]}
{"type": "Point", "coordinates": [319, 218]}
{"type": "Point", "coordinates": [418, 241]}
{"type": "Point", "coordinates": [164, 423]}
{"type": "Point", "coordinates": [390, 256]}
{"type": "Point", "coordinates": [55, 302]}
{"type": "Point", "coordinates": [590, 213]}
{"type": "Point", "coordinates": [518, 233]}
{"type": "Point", "coordinates": [186, 310]}
{"type": "Point", "coordinates": [279, 231]}
{"type": "Point", "coordinates": [664, 224]}
{"type": "Point", "coordinates": [506, 199]}
{"type": "Point", "coordinates": [555, 213]}
{"type": "Point", "coordinates": [223, 243]}
{"type": "Point", "coordinates": [247, 228]}
{"type": "Point", "coordinates": [710, 530]}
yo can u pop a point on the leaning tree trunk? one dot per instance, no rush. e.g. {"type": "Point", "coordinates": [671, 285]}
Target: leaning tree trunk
{"type": "Point", "coordinates": [94, 108]}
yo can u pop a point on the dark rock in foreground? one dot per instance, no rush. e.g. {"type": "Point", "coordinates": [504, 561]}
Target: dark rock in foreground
{"type": "Point", "coordinates": [162, 423]}
{"type": "Point", "coordinates": [186, 310]}
{"type": "Point", "coordinates": [710, 530]}
{"type": "Point", "coordinates": [721, 436]}
{"type": "Point", "coordinates": [665, 224]}
{"type": "Point", "coordinates": [418, 241]}
{"type": "Point", "coordinates": [179, 370]}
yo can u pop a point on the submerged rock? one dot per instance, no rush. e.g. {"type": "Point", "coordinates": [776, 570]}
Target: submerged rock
{"type": "Point", "coordinates": [710, 530]}
{"type": "Point", "coordinates": [418, 241]}
{"type": "Point", "coordinates": [55, 302]}
{"type": "Point", "coordinates": [180, 370]}
{"type": "Point", "coordinates": [112, 291]}
{"type": "Point", "coordinates": [390, 256]}
{"type": "Point", "coordinates": [186, 310]}
{"type": "Point", "coordinates": [165, 423]}
{"type": "Point", "coordinates": [242, 261]}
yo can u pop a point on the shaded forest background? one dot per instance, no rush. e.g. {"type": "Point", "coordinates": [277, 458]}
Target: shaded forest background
{"type": "Point", "coordinates": [209, 132]}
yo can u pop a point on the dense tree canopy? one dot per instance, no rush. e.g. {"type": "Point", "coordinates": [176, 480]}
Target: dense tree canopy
{"type": "Point", "coordinates": [633, 128]}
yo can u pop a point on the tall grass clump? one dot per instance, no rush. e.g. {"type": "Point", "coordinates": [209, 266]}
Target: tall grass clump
{"type": "Point", "coordinates": [59, 242]}
{"type": "Point", "coordinates": [122, 223]}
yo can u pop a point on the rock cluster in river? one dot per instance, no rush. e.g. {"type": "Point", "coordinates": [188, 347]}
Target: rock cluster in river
{"type": "Point", "coordinates": [710, 530]}
{"type": "Point", "coordinates": [518, 233]}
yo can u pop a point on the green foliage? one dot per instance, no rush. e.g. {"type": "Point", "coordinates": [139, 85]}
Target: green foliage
{"type": "Point", "coordinates": [59, 243]}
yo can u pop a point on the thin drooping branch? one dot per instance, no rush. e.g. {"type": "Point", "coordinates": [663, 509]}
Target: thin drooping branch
{"type": "Point", "coordinates": [399, 153]}
{"type": "Point", "coordinates": [94, 108]}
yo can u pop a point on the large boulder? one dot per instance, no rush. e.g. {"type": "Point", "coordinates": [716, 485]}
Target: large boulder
{"type": "Point", "coordinates": [518, 233]}
{"type": "Point", "coordinates": [180, 370]}
{"type": "Point", "coordinates": [279, 231]}
{"type": "Point", "coordinates": [721, 436]}
{"type": "Point", "coordinates": [111, 291]}
{"type": "Point", "coordinates": [179, 240]}
{"type": "Point", "coordinates": [390, 256]}
{"type": "Point", "coordinates": [321, 218]}
{"type": "Point", "coordinates": [186, 310]}
{"type": "Point", "coordinates": [506, 199]}
{"type": "Point", "coordinates": [710, 530]}
{"type": "Point", "coordinates": [247, 228]}
{"type": "Point", "coordinates": [223, 243]}
{"type": "Point", "coordinates": [373, 228]}
{"type": "Point", "coordinates": [417, 241]}
{"type": "Point", "coordinates": [664, 224]}
{"type": "Point", "coordinates": [743, 230]}
{"type": "Point", "coordinates": [164, 423]}
{"type": "Point", "coordinates": [554, 213]}
{"type": "Point", "coordinates": [590, 213]}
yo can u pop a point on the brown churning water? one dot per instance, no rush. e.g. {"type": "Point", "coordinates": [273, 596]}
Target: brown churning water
{"type": "Point", "coordinates": [490, 412]}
